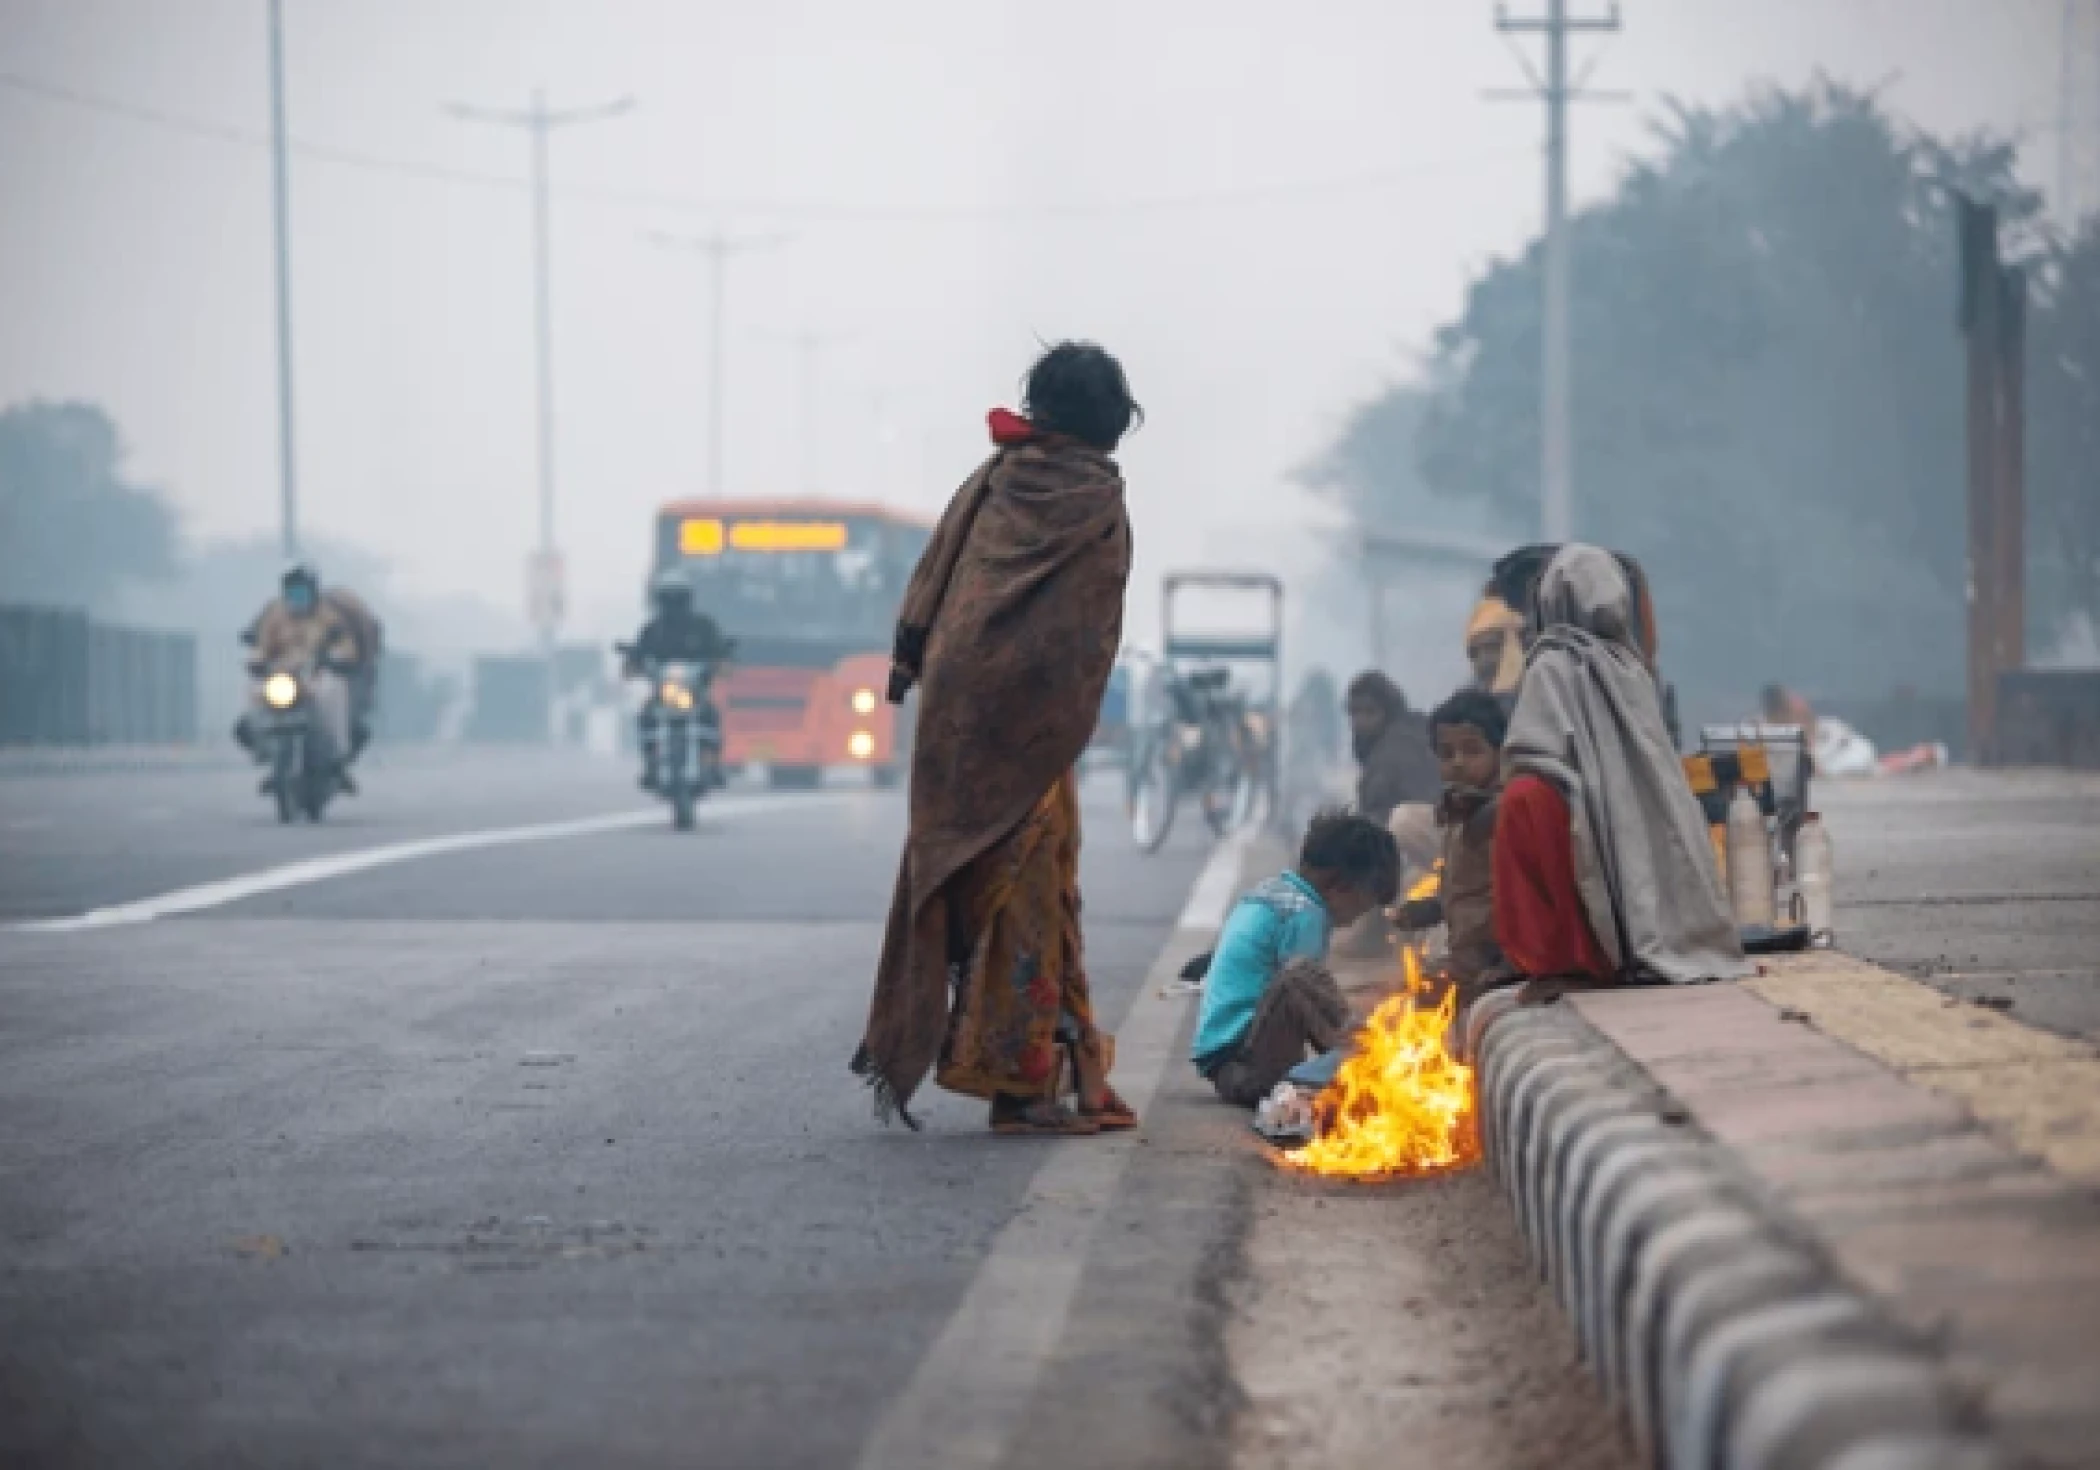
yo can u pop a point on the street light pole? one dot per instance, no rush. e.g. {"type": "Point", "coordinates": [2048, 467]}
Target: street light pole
{"type": "Point", "coordinates": [538, 120]}
{"type": "Point", "coordinates": [717, 248]}
{"type": "Point", "coordinates": [809, 345]}
{"type": "Point", "coordinates": [280, 179]}
{"type": "Point", "coordinates": [542, 323]}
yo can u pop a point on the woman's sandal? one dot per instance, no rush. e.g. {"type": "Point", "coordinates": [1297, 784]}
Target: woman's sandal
{"type": "Point", "coordinates": [1044, 1119]}
{"type": "Point", "coordinates": [1114, 1114]}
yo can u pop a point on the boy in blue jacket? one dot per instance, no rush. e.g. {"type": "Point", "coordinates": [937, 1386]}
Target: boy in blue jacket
{"type": "Point", "coordinates": [1268, 997]}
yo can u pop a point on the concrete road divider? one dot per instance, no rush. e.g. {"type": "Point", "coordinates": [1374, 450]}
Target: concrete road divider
{"type": "Point", "coordinates": [1780, 1252]}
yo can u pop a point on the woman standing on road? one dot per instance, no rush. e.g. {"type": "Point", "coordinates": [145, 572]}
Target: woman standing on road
{"type": "Point", "coordinates": [1010, 626]}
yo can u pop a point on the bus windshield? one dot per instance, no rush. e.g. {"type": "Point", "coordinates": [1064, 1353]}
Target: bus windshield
{"type": "Point", "coordinates": [797, 575]}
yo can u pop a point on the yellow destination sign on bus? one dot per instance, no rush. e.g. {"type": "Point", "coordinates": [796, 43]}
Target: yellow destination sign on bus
{"type": "Point", "coordinates": [707, 536]}
{"type": "Point", "coordinates": [700, 537]}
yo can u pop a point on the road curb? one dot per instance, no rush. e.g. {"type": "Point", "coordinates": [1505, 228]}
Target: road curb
{"type": "Point", "coordinates": [1718, 1329]}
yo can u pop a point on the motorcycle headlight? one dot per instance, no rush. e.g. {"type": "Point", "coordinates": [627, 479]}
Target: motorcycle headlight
{"type": "Point", "coordinates": [864, 701]}
{"type": "Point", "coordinates": [860, 745]}
{"type": "Point", "coordinates": [677, 696]}
{"type": "Point", "coordinates": [280, 691]}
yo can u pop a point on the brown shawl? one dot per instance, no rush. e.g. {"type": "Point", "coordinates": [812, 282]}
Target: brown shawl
{"type": "Point", "coordinates": [1011, 623]}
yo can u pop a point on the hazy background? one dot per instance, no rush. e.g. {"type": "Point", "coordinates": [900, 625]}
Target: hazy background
{"type": "Point", "coordinates": [1266, 211]}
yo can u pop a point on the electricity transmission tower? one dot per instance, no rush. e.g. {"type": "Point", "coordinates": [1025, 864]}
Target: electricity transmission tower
{"type": "Point", "coordinates": [1556, 472]}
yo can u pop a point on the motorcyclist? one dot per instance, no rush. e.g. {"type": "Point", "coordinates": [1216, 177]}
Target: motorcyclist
{"type": "Point", "coordinates": [299, 628]}
{"type": "Point", "coordinates": [367, 637]}
{"type": "Point", "coordinates": [676, 631]}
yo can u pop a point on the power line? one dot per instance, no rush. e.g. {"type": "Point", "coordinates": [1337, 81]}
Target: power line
{"type": "Point", "coordinates": [814, 212]}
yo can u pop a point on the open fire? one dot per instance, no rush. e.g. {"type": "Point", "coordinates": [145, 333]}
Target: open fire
{"type": "Point", "coordinates": [1402, 1104]}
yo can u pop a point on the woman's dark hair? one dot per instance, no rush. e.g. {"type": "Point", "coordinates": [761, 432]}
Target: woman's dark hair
{"type": "Point", "coordinates": [1077, 389]}
{"type": "Point", "coordinates": [1355, 850]}
{"type": "Point", "coordinates": [1475, 707]}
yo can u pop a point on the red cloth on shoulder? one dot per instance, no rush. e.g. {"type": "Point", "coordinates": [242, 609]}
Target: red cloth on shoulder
{"type": "Point", "coordinates": [1009, 427]}
{"type": "Point", "coordinates": [1539, 918]}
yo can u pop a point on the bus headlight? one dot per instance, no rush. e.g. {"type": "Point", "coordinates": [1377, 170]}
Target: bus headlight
{"type": "Point", "coordinates": [280, 691]}
{"type": "Point", "coordinates": [860, 745]}
{"type": "Point", "coordinates": [864, 701]}
{"type": "Point", "coordinates": [676, 696]}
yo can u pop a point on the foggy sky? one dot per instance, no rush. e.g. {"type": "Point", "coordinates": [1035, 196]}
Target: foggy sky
{"type": "Point", "coordinates": [1264, 210]}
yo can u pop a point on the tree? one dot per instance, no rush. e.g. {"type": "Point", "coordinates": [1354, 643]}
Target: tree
{"type": "Point", "coordinates": [1373, 470]}
{"type": "Point", "coordinates": [1767, 404]}
{"type": "Point", "coordinates": [72, 529]}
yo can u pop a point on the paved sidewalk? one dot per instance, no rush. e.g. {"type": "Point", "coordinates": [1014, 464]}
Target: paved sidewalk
{"type": "Point", "coordinates": [1826, 1209]}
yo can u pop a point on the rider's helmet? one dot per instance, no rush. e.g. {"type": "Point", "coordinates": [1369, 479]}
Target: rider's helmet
{"type": "Point", "coordinates": [301, 587]}
{"type": "Point", "coordinates": [671, 594]}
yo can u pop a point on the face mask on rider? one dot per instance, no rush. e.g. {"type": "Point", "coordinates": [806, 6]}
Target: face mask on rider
{"type": "Point", "coordinates": [299, 598]}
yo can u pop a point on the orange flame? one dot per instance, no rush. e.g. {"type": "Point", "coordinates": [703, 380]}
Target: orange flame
{"type": "Point", "coordinates": [1428, 884]}
{"type": "Point", "coordinates": [1402, 1104]}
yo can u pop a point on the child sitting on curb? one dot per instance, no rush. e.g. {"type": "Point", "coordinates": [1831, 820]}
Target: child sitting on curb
{"type": "Point", "coordinates": [1269, 997]}
{"type": "Point", "coordinates": [1467, 731]}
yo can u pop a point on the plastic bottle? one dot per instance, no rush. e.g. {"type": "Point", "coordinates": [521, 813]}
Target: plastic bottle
{"type": "Point", "coordinates": [1786, 896]}
{"type": "Point", "coordinates": [1749, 861]}
{"type": "Point", "coordinates": [1814, 873]}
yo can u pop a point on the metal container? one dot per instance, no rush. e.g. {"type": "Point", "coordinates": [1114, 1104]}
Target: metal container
{"type": "Point", "coordinates": [1773, 760]}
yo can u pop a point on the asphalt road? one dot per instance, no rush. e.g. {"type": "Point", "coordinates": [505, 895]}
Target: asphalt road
{"type": "Point", "coordinates": [532, 1154]}
{"type": "Point", "coordinates": [545, 1152]}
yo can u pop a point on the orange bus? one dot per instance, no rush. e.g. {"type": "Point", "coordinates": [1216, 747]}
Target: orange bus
{"type": "Point", "coordinates": [809, 589]}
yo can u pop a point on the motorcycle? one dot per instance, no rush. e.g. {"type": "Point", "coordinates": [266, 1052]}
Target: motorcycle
{"type": "Point", "coordinates": [688, 731]}
{"type": "Point", "coordinates": [297, 733]}
{"type": "Point", "coordinates": [1200, 749]}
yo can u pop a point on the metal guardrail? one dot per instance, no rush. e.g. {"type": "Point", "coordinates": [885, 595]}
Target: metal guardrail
{"type": "Point", "coordinates": [66, 680]}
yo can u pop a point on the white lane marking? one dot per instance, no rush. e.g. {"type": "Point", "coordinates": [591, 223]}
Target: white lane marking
{"type": "Point", "coordinates": [342, 864]}
{"type": "Point", "coordinates": [966, 1398]}
{"type": "Point", "coordinates": [1218, 885]}
{"type": "Point", "coordinates": [28, 824]}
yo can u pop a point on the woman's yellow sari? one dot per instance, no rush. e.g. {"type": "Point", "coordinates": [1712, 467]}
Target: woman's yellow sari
{"type": "Point", "coordinates": [1016, 961]}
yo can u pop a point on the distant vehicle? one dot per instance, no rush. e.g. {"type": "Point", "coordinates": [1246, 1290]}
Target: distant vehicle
{"type": "Point", "coordinates": [688, 733]}
{"type": "Point", "coordinates": [1111, 742]}
{"type": "Point", "coordinates": [299, 720]}
{"type": "Point", "coordinates": [809, 589]}
{"type": "Point", "coordinates": [1193, 751]}
{"type": "Point", "coordinates": [1204, 737]}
